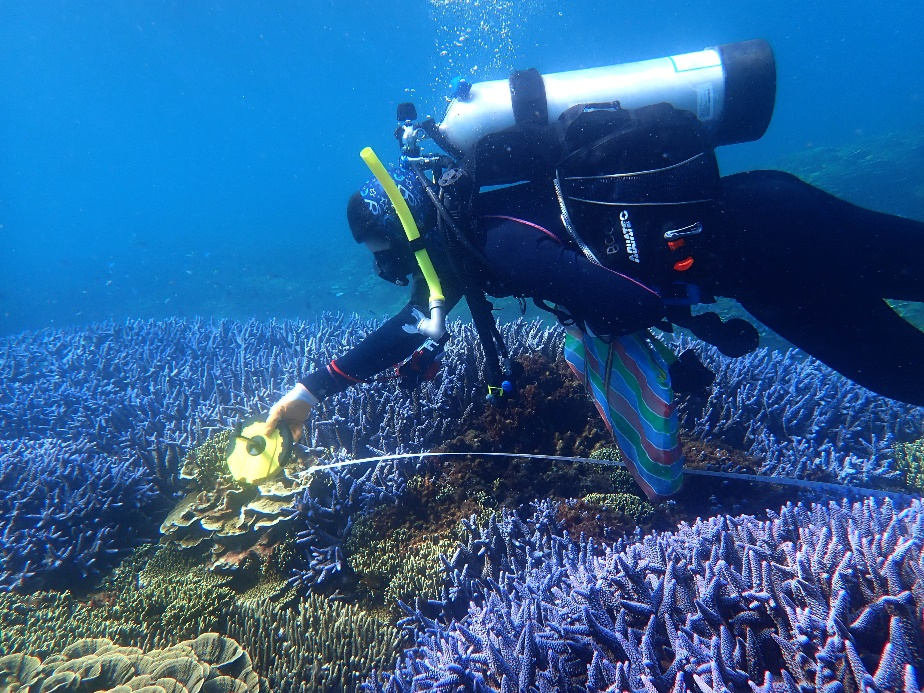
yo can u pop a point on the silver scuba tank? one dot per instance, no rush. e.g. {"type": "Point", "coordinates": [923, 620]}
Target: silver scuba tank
{"type": "Point", "coordinates": [731, 88]}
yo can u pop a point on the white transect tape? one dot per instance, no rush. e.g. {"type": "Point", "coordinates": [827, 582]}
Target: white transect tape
{"type": "Point", "coordinates": [781, 481]}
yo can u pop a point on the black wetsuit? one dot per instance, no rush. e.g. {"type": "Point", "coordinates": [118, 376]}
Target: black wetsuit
{"type": "Point", "coordinates": [813, 268]}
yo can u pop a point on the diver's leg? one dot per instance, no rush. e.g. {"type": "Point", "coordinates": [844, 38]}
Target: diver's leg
{"type": "Point", "coordinates": [777, 227]}
{"type": "Point", "coordinates": [860, 337]}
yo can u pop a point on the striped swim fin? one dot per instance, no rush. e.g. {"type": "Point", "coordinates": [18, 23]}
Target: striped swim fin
{"type": "Point", "coordinates": [631, 387]}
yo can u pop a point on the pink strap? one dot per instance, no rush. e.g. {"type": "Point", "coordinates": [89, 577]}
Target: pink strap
{"type": "Point", "coordinates": [552, 235]}
{"type": "Point", "coordinates": [522, 221]}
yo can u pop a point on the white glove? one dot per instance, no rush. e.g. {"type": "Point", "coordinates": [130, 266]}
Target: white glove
{"type": "Point", "coordinates": [293, 408]}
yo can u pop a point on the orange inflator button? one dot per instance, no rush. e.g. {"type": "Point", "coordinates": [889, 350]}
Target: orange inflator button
{"type": "Point", "coordinates": [683, 265]}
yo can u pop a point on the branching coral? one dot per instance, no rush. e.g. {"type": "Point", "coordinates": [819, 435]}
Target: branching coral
{"type": "Point", "coordinates": [909, 457]}
{"type": "Point", "coordinates": [67, 513]}
{"type": "Point", "coordinates": [798, 417]}
{"type": "Point", "coordinates": [154, 596]}
{"type": "Point", "coordinates": [316, 646]}
{"type": "Point", "coordinates": [394, 567]}
{"type": "Point", "coordinates": [823, 598]}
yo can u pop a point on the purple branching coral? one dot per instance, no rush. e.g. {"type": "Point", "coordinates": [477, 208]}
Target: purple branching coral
{"type": "Point", "coordinates": [128, 400]}
{"type": "Point", "coordinates": [799, 417]}
{"type": "Point", "coordinates": [326, 508]}
{"type": "Point", "coordinates": [66, 512]}
{"type": "Point", "coordinates": [827, 599]}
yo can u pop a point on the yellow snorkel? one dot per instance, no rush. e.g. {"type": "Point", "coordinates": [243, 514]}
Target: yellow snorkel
{"type": "Point", "coordinates": [433, 327]}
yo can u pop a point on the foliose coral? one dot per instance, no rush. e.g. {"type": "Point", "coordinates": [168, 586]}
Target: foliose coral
{"type": "Point", "coordinates": [237, 527]}
{"type": "Point", "coordinates": [822, 598]}
{"type": "Point", "coordinates": [208, 664]}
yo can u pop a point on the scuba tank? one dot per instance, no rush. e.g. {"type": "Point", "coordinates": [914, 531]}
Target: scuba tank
{"type": "Point", "coordinates": [730, 88]}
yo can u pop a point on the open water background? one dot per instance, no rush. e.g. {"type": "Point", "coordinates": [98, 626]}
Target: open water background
{"type": "Point", "coordinates": [194, 158]}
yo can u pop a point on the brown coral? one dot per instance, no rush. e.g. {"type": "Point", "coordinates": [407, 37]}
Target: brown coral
{"type": "Point", "coordinates": [239, 526]}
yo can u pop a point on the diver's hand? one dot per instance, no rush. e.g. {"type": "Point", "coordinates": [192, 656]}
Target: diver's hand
{"type": "Point", "coordinates": [293, 408]}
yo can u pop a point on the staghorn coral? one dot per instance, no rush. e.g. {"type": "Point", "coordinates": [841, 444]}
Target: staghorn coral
{"type": "Point", "coordinates": [798, 417]}
{"type": "Point", "coordinates": [67, 513]}
{"type": "Point", "coordinates": [814, 598]}
{"type": "Point", "coordinates": [327, 509]}
{"type": "Point", "coordinates": [152, 390]}
{"type": "Point", "coordinates": [208, 664]}
{"type": "Point", "coordinates": [317, 645]}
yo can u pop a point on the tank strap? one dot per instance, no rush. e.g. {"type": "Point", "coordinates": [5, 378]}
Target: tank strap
{"type": "Point", "coordinates": [527, 94]}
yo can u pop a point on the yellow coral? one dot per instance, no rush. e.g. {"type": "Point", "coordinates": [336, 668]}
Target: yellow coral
{"type": "Point", "coordinates": [910, 460]}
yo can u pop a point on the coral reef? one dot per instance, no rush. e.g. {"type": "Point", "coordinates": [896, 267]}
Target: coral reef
{"type": "Point", "coordinates": [208, 664]}
{"type": "Point", "coordinates": [67, 513]}
{"type": "Point", "coordinates": [814, 598]}
{"type": "Point", "coordinates": [712, 605]}
{"type": "Point", "coordinates": [798, 417]}
{"type": "Point", "coordinates": [152, 390]}
{"type": "Point", "coordinates": [143, 393]}
{"type": "Point", "coordinates": [316, 646]}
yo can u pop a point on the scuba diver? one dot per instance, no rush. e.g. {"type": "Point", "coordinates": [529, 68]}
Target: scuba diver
{"type": "Point", "coordinates": [611, 213]}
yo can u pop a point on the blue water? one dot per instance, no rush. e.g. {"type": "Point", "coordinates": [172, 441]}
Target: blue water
{"type": "Point", "coordinates": [194, 158]}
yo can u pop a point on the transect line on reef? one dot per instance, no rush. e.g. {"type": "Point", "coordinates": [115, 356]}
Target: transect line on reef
{"type": "Point", "coordinates": [782, 481]}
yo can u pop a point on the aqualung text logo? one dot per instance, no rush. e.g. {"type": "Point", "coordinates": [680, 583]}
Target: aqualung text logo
{"type": "Point", "coordinates": [629, 235]}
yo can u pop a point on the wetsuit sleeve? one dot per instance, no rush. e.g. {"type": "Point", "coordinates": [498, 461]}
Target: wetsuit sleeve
{"type": "Point", "coordinates": [530, 261]}
{"type": "Point", "coordinates": [384, 347]}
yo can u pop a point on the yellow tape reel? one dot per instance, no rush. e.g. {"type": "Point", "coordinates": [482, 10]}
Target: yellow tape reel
{"type": "Point", "coordinates": [253, 455]}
